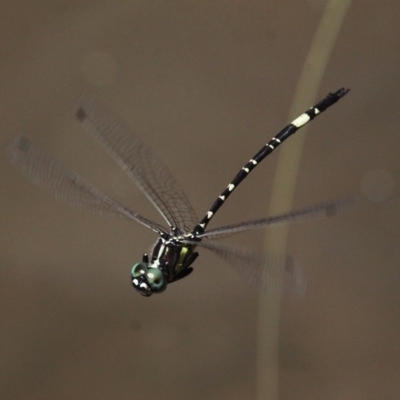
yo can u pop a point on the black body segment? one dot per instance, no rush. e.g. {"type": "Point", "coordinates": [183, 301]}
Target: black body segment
{"type": "Point", "coordinates": [285, 133]}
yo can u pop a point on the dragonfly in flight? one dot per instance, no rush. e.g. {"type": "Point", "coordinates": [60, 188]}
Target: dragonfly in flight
{"type": "Point", "coordinates": [174, 251]}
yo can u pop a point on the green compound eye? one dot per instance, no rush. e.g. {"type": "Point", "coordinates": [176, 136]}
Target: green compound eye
{"type": "Point", "coordinates": [156, 280]}
{"type": "Point", "coordinates": [138, 269]}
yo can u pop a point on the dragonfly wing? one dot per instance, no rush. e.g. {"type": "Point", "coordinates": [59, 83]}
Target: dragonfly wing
{"type": "Point", "coordinates": [272, 273]}
{"type": "Point", "coordinates": [42, 169]}
{"type": "Point", "coordinates": [141, 164]}
{"type": "Point", "coordinates": [323, 210]}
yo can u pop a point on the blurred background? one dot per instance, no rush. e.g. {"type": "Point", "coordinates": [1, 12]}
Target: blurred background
{"type": "Point", "coordinates": [205, 84]}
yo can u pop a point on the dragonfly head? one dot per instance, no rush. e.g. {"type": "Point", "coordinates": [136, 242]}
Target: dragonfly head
{"type": "Point", "coordinates": [147, 280]}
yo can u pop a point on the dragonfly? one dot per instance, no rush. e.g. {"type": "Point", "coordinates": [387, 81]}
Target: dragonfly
{"type": "Point", "coordinates": [173, 253]}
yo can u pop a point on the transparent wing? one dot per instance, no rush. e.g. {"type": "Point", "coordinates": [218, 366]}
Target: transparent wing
{"type": "Point", "coordinates": [42, 169]}
{"type": "Point", "coordinates": [139, 162]}
{"type": "Point", "coordinates": [272, 273]}
{"type": "Point", "coordinates": [327, 209]}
